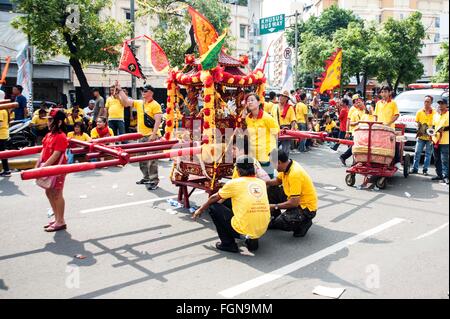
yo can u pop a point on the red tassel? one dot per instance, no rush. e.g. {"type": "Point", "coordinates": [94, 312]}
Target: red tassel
{"type": "Point", "coordinates": [208, 98]}
{"type": "Point", "coordinates": [169, 123]}
{"type": "Point", "coordinates": [207, 112]}
{"type": "Point", "coordinates": [206, 125]}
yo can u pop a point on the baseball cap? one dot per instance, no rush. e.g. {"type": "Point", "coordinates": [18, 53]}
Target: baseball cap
{"type": "Point", "coordinates": [442, 100]}
{"type": "Point", "coordinates": [92, 102]}
{"type": "Point", "coordinates": [356, 97]}
{"type": "Point", "coordinates": [56, 114]}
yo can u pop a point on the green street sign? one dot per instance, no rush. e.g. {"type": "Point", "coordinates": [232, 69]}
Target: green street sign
{"type": "Point", "coordinates": [272, 24]}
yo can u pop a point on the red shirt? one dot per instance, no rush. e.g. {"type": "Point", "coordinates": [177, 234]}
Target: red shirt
{"type": "Point", "coordinates": [343, 119]}
{"type": "Point", "coordinates": [52, 143]}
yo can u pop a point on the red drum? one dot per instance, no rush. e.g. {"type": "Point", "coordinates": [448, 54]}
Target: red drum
{"type": "Point", "coordinates": [382, 144]}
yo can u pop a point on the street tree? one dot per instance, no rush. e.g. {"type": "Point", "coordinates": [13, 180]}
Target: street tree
{"type": "Point", "coordinates": [399, 44]}
{"type": "Point", "coordinates": [442, 75]}
{"type": "Point", "coordinates": [360, 58]}
{"type": "Point", "coordinates": [174, 32]}
{"type": "Point", "coordinates": [72, 28]}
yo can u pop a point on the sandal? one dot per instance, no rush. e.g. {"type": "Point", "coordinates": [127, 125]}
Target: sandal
{"type": "Point", "coordinates": [49, 224]}
{"type": "Point", "coordinates": [53, 228]}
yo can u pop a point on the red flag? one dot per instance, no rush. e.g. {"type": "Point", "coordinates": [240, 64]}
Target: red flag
{"type": "Point", "coordinates": [129, 63]}
{"type": "Point", "coordinates": [157, 57]}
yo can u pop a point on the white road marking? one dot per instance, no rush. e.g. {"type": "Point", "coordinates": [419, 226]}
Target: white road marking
{"type": "Point", "coordinates": [431, 232]}
{"type": "Point", "coordinates": [99, 209]}
{"type": "Point", "coordinates": [276, 274]}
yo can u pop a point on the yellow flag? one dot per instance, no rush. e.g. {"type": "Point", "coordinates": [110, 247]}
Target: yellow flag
{"type": "Point", "coordinates": [331, 78]}
{"type": "Point", "coordinates": [205, 33]}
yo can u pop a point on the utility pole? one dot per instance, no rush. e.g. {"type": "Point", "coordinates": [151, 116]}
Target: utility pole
{"type": "Point", "coordinates": [296, 50]}
{"type": "Point", "coordinates": [132, 19]}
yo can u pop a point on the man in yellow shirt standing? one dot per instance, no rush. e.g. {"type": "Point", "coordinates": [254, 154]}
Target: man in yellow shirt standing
{"type": "Point", "coordinates": [4, 136]}
{"type": "Point", "coordinates": [297, 196]}
{"type": "Point", "coordinates": [302, 119]}
{"type": "Point", "coordinates": [441, 125]}
{"type": "Point", "coordinates": [285, 115]}
{"type": "Point", "coordinates": [147, 107]}
{"type": "Point", "coordinates": [249, 216]}
{"type": "Point", "coordinates": [424, 119]}
{"type": "Point", "coordinates": [268, 106]}
{"type": "Point", "coordinates": [115, 110]}
{"type": "Point", "coordinates": [354, 117]}
{"type": "Point", "coordinates": [387, 112]}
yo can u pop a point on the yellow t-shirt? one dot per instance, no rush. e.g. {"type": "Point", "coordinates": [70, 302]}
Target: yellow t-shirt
{"type": "Point", "coordinates": [4, 125]}
{"type": "Point", "coordinates": [290, 116]}
{"type": "Point", "coordinates": [262, 135]}
{"type": "Point", "coordinates": [297, 182]}
{"type": "Point", "coordinates": [151, 109]}
{"type": "Point", "coordinates": [441, 121]}
{"type": "Point", "coordinates": [251, 207]}
{"type": "Point", "coordinates": [115, 109]}
{"type": "Point", "coordinates": [40, 123]}
{"type": "Point", "coordinates": [301, 112]}
{"type": "Point", "coordinates": [83, 137]}
{"type": "Point", "coordinates": [94, 133]}
{"type": "Point", "coordinates": [70, 120]}
{"type": "Point", "coordinates": [385, 112]}
{"type": "Point", "coordinates": [329, 127]}
{"type": "Point", "coordinates": [268, 106]}
{"type": "Point", "coordinates": [356, 117]}
{"type": "Point", "coordinates": [425, 119]}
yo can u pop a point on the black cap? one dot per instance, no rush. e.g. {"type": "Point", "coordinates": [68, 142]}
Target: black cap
{"type": "Point", "coordinates": [442, 100]}
{"type": "Point", "coordinates": [148, 87]}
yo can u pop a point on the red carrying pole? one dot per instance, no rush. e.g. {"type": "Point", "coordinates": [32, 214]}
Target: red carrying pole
{"type": "Point", "coordinates": [171, 154]}
{"type": "Point", "coordinates": [314, 135]}
{"type": "Point", "coordinates": [104, 149]}
{"type": "Point", "coordinates": [22, 152]}
{"type": "Point", "coordinates": [143, 150]}
{"type": "Point", "coordinates": [66, 169]}
{"type": "Point", "coordinates": [85, 150]}
{"type": "Point", "coordinates": [120, 138]}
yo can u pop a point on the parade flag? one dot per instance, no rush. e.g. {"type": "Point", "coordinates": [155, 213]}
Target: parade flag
{"type": "Point", "coordinates": [5, 70]}
{"type": "Point", "coordinates": [331, 78]}
{"type": "Point", "coordinates": [263, 61]}
{"type": "Point", "coordinates": [129, 63]}
{"type": "Point", "coordinates": [205, 33]}
{"type": "Point", "coordinates": [210, 59]}
{"type": "Point", "coordinates": [157, 57]}
{"type": "Point", "coordinates": [24, 71]}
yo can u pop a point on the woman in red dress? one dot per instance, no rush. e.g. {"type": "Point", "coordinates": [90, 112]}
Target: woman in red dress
{"type": "Point", "coordinates": [53, 153]}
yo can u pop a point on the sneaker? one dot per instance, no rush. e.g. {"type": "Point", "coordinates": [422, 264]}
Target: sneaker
{"type": "Point", "coordinates": [425, 173]}
{"type": "Point", "coordinates": [445, 180]}
{"type": "Point", "coordinates": [143, 182]}
{"type": "Point", "coordinates": [5, 174]}
{"type": "Point", "coordinates": [252, 244]}
{"type": "Point", "coordinates": [437, 178]}
{"type": "Point", "coordinates": [303, 229]}
{"type": "Point", "coordinates": [398, 165]}
{"type": "Point", "coordinates": [152, 186]}
{"type": "Point", "coordinates": [414, 171]}
{"type": "Point", "coordinates": [230, 249]}
{"type": "Point", "coordinates": [342, 161]}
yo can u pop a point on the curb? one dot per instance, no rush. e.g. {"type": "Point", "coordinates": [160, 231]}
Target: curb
{"type": "Point", "coordinates": [21, 164]}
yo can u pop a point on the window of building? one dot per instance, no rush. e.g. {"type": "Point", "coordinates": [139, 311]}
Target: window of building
{"type": "Point", "coordinates": [437, 22]}
{"type": "Point", "coordinates": [437, 38]}
{"type": "Point", "coordinates": [243, 31]}
{"type": "Point", "coordinates": [127, 14]}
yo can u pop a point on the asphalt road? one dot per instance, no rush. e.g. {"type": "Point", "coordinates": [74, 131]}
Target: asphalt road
{"type": "Point", "coordinates": [376, 244]}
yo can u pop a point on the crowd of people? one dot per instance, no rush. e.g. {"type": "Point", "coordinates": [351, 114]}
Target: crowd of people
{"type": "Point", "coordinates": [268, 190]}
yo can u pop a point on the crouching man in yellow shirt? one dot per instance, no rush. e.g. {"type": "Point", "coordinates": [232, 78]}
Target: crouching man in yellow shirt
{"type": "Point", "coordinates": [297, 196]}
{"type": "Point", "coordinates": [249, 216]}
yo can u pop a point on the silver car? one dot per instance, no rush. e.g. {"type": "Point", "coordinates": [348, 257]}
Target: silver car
{"type": "Point", "coordinates": [409, 103]}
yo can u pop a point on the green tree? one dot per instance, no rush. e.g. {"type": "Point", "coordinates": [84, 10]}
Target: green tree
{"type": "Point", "coordinates": [442, 75]}
{"type": "Point", "coordinates": [56, 30]}
{"type": "Point", "coordinates": [360, 54]}
{"type": "Point", "coordinates": [399, 44]}
{"type": "Point", "coordinates": [171, 31]}
{"type": "Point", "coordinates": [323, 27]}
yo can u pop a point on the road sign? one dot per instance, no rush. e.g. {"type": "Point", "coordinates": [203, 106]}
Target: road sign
{"type": "Point", "coordinates": [288, 53]}
{"type": "Point", "coordinates": [272, 24]}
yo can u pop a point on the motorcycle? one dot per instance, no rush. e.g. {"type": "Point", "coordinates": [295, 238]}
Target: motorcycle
{"type": "Point", "coordinates": [20, 135]}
